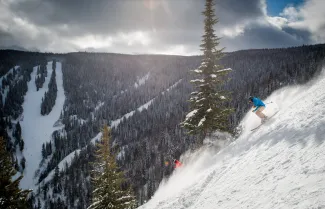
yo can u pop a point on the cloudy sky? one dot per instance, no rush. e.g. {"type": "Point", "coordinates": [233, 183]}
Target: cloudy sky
{"type": "Point", "coordinates": [157, 26]}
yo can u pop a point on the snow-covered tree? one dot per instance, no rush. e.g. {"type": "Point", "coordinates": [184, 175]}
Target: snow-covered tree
{"type": "Point", "coordinates": [11, 197]}
{"type": "Point", "coordinates": [108, 180]}
{"type": "Point", "coordinates": [208, 104]}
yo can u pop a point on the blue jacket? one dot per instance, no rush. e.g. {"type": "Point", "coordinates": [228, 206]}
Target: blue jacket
{"type": "Point", "coordinates": [258, 103]}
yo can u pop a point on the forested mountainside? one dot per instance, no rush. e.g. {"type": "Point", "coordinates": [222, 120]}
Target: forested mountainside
{"type": "Point", "coordinates": [11, 58]}
{"type": "Point", "coordinates": [143, 98]}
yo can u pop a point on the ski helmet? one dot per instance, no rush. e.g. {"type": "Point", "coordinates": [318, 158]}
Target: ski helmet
{"type": "Point", "coordinates": [251, 98]}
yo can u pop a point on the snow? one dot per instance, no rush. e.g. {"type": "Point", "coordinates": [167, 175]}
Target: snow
{"type": "Point", "coordinates": [6, 90]}
{"type": "Point", "coordinates": [67, 160]}
{"type": "Point", "coordinates": [204, 64]}
{"type": "Point", "coordinates": [174, 85]}
{"type": "Point", "coordinates": [142, 80]}
{"type": "Point", "coordinates": [121, 153]}
{"type": "Point", "coordinates": [281, 165]}
{"type": "Point", "coordinates": [96, 138]}
{"type": "Point", "coordinates": [191, 114]}
{"type": "Point", "coordinates": [5, 76]}
{"type": "Point", "coordinates": [224, 70]}
{"type": "Point", "coordinates": [75, 117]}
{"type": "Point", "coordinates": [116, 122]}
{"type": "Point", "coordinates": [99, 105]}
{"type": "Point", "coordinates": [4, 95]}
{"type": "Point", "coordinates": [197, 71]}
{"type": "Point", "coordinates": [213, 75]}
{"type": "Point", "coordinates": [38, 129]}
{"type": "Point", "coordinates": [61, 165]}
{"type": "Point", "coordinates": [201, 121]}
{"type": "Point", "coordinates": [198, 80]}
{"type": "Point", "coordinates": [222, 97]}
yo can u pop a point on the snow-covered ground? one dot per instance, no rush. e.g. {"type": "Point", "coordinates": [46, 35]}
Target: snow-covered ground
{"type": "Point", "coordinates": [142, 81]}
{"type": "Point", "coordinates": [38, 129]}
{"type": "Point", "coordinates": [280, 165]}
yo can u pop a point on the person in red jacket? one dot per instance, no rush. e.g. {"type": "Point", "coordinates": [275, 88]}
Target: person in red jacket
{"type": "Point", "coordinates": [177, 164]}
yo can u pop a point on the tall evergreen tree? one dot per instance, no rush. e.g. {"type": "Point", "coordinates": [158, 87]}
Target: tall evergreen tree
{"type": "Point", "coordinates": [56, 177]}
{"type": "Point", "coordinates": [108, 180]}
{"type": "Point", "coordinates": [208, 104]}
{"type": "Point", "coordinates": [11, 197]}
{"type": "Point", "coordinates": [17, 132]}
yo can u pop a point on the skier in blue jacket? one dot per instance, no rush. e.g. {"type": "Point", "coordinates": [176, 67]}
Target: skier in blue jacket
{"type": "Point", "coordinates": [259, 107]}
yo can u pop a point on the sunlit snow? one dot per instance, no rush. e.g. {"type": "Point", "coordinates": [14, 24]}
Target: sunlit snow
{"type": "Point", "coordinates": [280, 165]}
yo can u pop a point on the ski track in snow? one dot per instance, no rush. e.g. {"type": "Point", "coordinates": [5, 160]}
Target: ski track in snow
{"type": "Point", "coordinates": [141, 81]}
{"type": "Point", "coordinates": [68, 159]}
{"type": "Point", "coordinates": [38, 129]}
{"type": "Point", "coordinates": [281, 165]}
{"type": "Point", "coordinates": [116, 122]}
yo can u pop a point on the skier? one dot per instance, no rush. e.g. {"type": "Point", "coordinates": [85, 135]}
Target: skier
{"type": "Point", "coordinates": [177, 164]}
{"type": "Point", "coordinates": [259, 107]}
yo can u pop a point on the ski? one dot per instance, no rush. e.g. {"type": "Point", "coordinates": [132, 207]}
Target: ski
{"type": "Point", "coordinates": [264, 122]}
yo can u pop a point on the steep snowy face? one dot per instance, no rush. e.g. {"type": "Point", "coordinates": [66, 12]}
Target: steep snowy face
{"type": "Point", "coordinates": [38, 129]}
{"type": "Point", "coordinates": [280, 165]}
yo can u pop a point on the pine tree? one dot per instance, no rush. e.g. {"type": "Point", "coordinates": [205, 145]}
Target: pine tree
{"type": "Point", "coordinates": [23, 163]}
{"type": "Point", "coordinates": [9, 123]}
{"type": "Point", "coordinates": [21, 145]}
{"type": "Point", "coordinates": [108, 180]}
{"type": "Point", "coordinates": [44, 154]}
{"type": "Point", "coordinates": [56, 177]}
{"type": "Point", "coordinates": [208, 104]}
{"type": "Point", "coordinates": [11, 197]}
{"type": "Point", "coordinates": [17, 132]}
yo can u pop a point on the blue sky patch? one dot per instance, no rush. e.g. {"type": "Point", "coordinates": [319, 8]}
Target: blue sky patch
{"type": "Point", "coordinates": [275, 7]}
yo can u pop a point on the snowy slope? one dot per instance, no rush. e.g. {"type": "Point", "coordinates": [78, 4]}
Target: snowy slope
{"type": "Point", "coordinates": [281, 165]}
{"type": "Point", "coordinates": [38, 129]}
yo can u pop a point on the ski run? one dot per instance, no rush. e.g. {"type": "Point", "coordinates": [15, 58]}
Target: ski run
{"type": "Point", "coordinates": [38, 129]}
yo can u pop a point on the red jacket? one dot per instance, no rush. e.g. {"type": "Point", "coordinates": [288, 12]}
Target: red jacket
{"type": "Point", "coordinates": [177, 164]}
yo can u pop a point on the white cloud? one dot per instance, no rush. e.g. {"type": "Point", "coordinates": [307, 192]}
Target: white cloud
{"type": "Point", "coordinates": [29, 35]}
{"type": "Point", "coordinates": [310, 16]}
{"type": "Point", "coordinates": [314, 18]}
{"type": "Point", "coordinates": [177, 50]}
{"type": "Point", "coordinates": [278, 22]}
{"type": "Point", "coordinates": [174, 31]}
{"type": "Point", "coordinates": [133, 38]}
{"type": "Point", "coordinates": [233, 31]}
{"type": "Point", "coordinates": [92, 41]}
{"type": "Point", "coordinates": [291, 14]}
{"type": "Point", "coordinates": [109, 43]}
